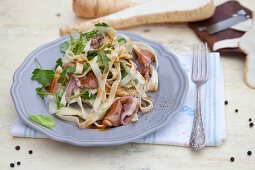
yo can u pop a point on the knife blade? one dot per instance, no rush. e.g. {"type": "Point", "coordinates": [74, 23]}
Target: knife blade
{"type": "Point", "coordinates": [225, 24]}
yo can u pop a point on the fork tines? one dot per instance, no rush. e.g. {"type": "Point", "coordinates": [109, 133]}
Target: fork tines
{"type": "Point", "coordinates": [200, 68]}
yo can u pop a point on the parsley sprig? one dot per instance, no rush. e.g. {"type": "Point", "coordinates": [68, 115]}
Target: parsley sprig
{"type": "Point", "coordinates": [85, 94]}
{"type": "Point", "coordinates": [59, 95]}
{"type": "Point", "coordinates": [101, 24]}
{"type": "Point", "coordinates": [43, 76]}
{"type": "Point", "coordinates": [45, 121]}
{"type": "Point", "coordinates": [64, 73]}
{"type": "Point", "coordinates": [102, 58]}
{"type": "Point", "coordinates": [64, 46]}
{"type": "Point", "coordinates": [41, 92]}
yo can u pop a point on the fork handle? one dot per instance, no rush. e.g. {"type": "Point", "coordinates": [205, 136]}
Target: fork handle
{"type": "Point", "coordinates": [197, 139]}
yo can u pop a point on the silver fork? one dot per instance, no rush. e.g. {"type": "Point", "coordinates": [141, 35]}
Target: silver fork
{"type": "Point", "coordinates": [199, 77]}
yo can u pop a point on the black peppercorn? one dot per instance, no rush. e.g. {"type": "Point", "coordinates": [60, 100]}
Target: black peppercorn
{"type": "Point", "coordinates": [250, 120]}
{"type": "Point", "coordinates": [236, 110]}
{"type": "Point", "coordinates": [30, 151]}
{"type": "Point", "coordinates": [226, 102]}
{"type": "Point", "coordinates": [12, 165]}
{"type": "Point", "coordinates": [249, 153]}
{"type": "Point", "coordinates": [17, 147]}
{"type": "Point", "coordinates": [232, 159]}
{"type": "Point", "coordinates": [251, 124]}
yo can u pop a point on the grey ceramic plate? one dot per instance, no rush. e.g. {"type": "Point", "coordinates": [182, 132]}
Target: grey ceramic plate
{"type": "Point", "coordinates": [168, 100]}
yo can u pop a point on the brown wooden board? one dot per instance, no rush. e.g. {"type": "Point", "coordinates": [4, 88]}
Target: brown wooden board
{"type": "Point", "coordinates": [222, 12]}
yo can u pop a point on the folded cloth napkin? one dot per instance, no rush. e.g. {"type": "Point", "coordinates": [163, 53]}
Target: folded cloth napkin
{"type": "Point", "coordinates": [178, 130]}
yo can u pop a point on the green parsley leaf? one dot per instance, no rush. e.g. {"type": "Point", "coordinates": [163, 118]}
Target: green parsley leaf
{"type": "Point", "coordinates": [123, 73]}
{"type": "Point", "coordinates": [108, 48]}
{"type": "Point", "coordinates": [85, 94]}
{"type": "Point", "coordinates": [91, 55]}
{"type": "Point", "coordinates": [65, 71]}
{"type": "Point", "coordinates": [136, 81]}
{"type": "Point", "coordinates": [41, 92]}
{"type": "Point", "coordinates": [64, 46]}
{"type": "Point", "coordinates": [58, 63]}
{"type": "Point", "coordinates": [101, 24]}
{"type": "Point", "coordinates": [102, 58]}
{"type": "Point", "coordinates": [85, 67]}
{"type": "Point", "coordinates": [72, 40]}
{"type": "Point", "coordinates": [62, 77]}
{"type": "Point", "coordinates": [45, 121]}
{"type": "Point", "coordinates": [124, 68]}
{"type": "Point", "coordinates": [121, 40]}
{"type": "Point", "coordinates": [90, 34]}
{"type": "Point", "coordinates": [107, 51]}
{"type": "Point", "coordinates": [43, 76]}
{"type": "Point", "coordinates": [78, 45]}
{"type": "Point", "coordinates": [59, 95]}
{"type": "Point", "coordinates": [71, 69]}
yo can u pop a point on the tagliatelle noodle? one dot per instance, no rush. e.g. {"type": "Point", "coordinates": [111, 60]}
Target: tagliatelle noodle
{"type": "Point", "coordinates": [111, 84]}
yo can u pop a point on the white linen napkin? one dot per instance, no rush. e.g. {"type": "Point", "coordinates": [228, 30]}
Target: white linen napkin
{"type": "Point", "coordinates": [178, 130]}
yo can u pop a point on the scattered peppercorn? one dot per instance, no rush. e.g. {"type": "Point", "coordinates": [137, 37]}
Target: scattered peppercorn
{"type": "Point", "coordinates": [58, 14]}
{"type": "Point", "coordinates": [250, 120]}
{"type": "Point", "coordinates": [251, 124]}
{"type": "Point", "coordinates": [249, 153]}
{"type": "Point", "coordinates": [236, 110]}
{"type": "Point", "coordinates": [30, 152]}
{"type": "Point", "coordinates": [232, 159]}
{"type": "Point", "coordinates": [226, 102]}
{"type": "Point", "coordinates": [17, 147]}
{"type": "Point", "coordinates": [18, 163]}
{"type": "Point", "coordinates": [12, 165]}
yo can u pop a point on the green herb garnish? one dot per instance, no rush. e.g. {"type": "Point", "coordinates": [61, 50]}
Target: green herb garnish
{"type": "Point", "coordinates": [58, 63]}
{"type": "Point", "coordinates": [101, 24]}
{"type": "Point", "coordinates": [64, 46]}
{"type": "Point", "coordinates": [78, 45]}
{"type": "Point", "coordinates": [124, 68]}
{"type": "Point", "coordinates": [84, 94]}
{"type": "Point", "coordinates": [43, 76]}
{"type": "Point", "coordinates": [72, 40]}
{"type": "Point", "coordinates": [85, 67]}
{"type": "Point", "coordinates": [41, 92]}
{"type": "Point", "coordinates": [122, 40]}
{"type": "Point", "coordinates": [102, 58]}
{"type": "Point", "coordinates": [66, 71]}
{"type": "Point", "coordinates": [59, 95]}
{"type": "Point", "coordinates": [91, 34]}
{"type": "Point", "coordinates": [91, 55]}
{"type": "Point", "coordinates": [45, 121]}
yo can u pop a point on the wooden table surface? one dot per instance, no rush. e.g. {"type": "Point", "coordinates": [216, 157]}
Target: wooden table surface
{"type": "Point", "coordinates": [27, 24]}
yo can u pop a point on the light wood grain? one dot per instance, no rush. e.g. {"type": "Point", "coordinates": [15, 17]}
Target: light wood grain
{"type": "Point", "coordinates": [153, 11]}
{"type": "Point", "coordinates": [25, 27]}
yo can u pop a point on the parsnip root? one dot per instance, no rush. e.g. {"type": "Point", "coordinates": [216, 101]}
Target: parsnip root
{"type": "Point", "coordinates": [154, 11]}
{"type": "Point", "coordinates": [247, 45]}
{"type": "Point", "coordinates": [98, 8]}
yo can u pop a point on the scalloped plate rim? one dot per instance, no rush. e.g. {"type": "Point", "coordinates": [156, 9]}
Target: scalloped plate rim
{"type": "Point", "coordinates": [73, 141]}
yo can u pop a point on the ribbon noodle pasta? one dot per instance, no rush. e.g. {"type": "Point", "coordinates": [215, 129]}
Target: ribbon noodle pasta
{"type": "Point", "coordinates": [101, 80]}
